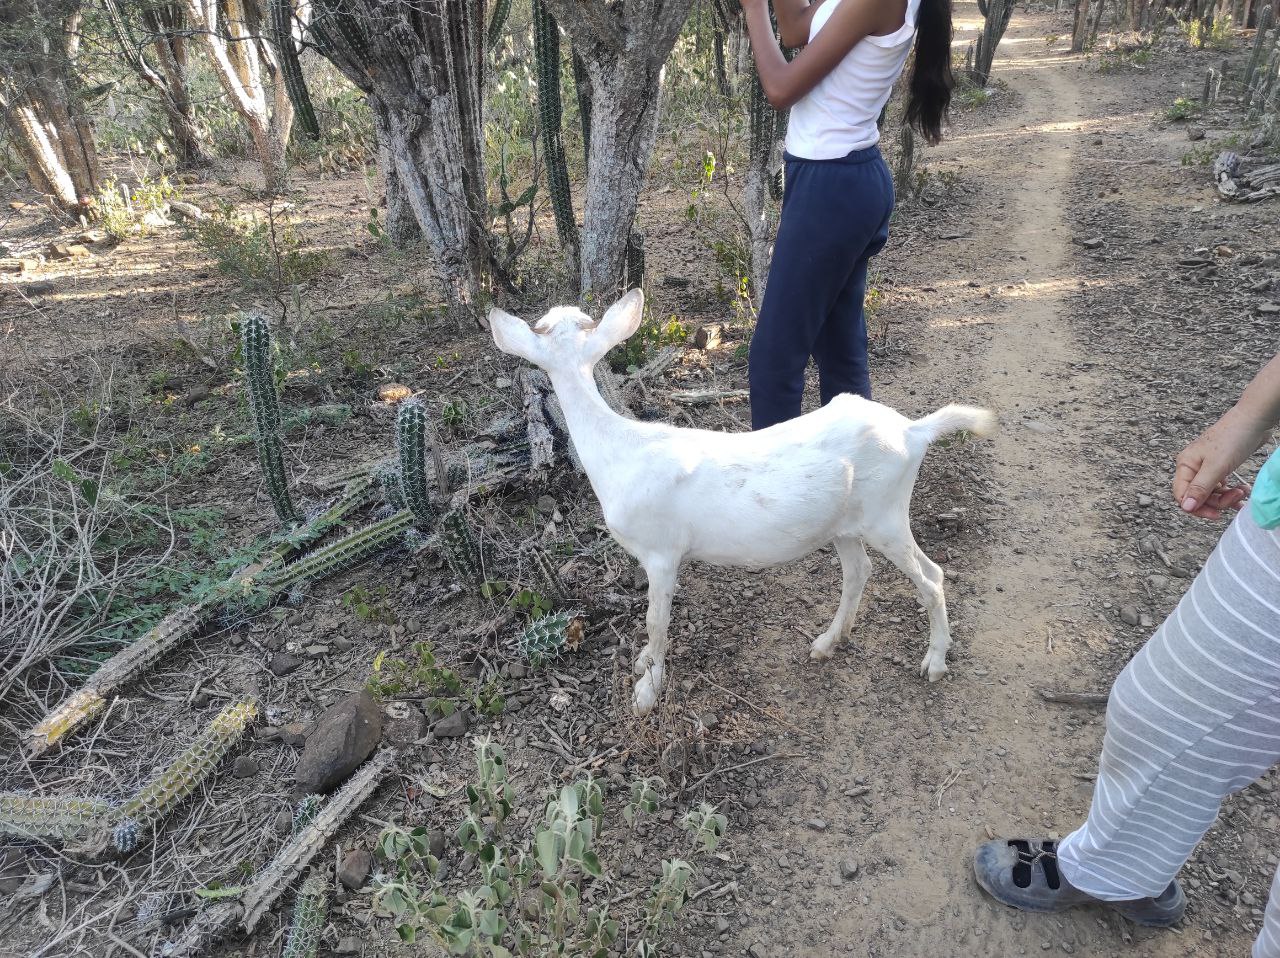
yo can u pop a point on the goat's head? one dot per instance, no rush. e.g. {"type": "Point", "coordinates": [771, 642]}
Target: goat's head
{"type": "Point", "coordinates": [566, 339]}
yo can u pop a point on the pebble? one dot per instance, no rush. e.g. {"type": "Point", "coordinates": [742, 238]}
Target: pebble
{"type": "Point", "coordinates": [1144, 500]}
{"type": "Point", "coordinates": [848, 869]}
{"type": "Point", "coordinates": [355, 868]}
{"type": "Point", "coordinates": [295, 734]}
{"type": "Point", "coordinates": [1129, 615]}
{"type": "Point", "coordinates": [282, 663]}
{"type": "Point", "coordinates": [244, 767]}
{"type": "Point", "coordinates": [454, 725]}
{"type": "Point", "coordinates": [817, 824]}
{"type": "Point", "coordinates": [283, 823]}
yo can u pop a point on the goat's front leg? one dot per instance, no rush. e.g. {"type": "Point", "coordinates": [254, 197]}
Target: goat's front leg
{"type": "Point", "coordinates": [652, 662]}
{"type": "Point", "coordinates": [856, 569]}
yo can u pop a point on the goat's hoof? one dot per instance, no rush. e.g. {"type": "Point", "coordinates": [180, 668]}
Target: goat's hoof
{"type": "Point", "coordinates": [644, 661]}
{"type": "Point", "coordinates": [821, 650]}
{"type": "Point", "coordinates": [647, 688]}
{"type": "Point", "coordinates": [933, 669]}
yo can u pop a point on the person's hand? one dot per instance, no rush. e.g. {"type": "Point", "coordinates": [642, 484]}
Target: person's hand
{"type": "Point", "coordinates": [1200, 485]}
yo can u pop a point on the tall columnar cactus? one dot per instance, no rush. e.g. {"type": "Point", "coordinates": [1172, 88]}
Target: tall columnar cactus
{"type": "Point", "coordinates": [52, 817]}
{"type": "Point", "coordinates": [548, 638]}
{"type": "Point", "coordinates": [259, 367]}
{"type": "Point", "coordinates": [309, 913]}
{"type": "Point", "coordinates": [416, 441]}
{"type": "Point", "coordinates": [287, 53]}
{"type": "Point", "coordinates": [497, 20]}
{"type": "Point", "coordinates": [1265, 17]}
{"type": "Point", "coordinates": [546, 48]}
{"type": "Point", "coordinates": [183, 775]}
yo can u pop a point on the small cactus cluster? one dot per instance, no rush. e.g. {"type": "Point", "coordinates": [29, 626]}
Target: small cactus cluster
{"type": "Point", "coordinates": [155, 800]}
{"type": "Point", "coordinates": [546, 49]}
{"type": "Point", "coordinates": [54, 817]}
{"type": "Point", "coordinates": [548, 638]}
{"type": "Point", "coordinates": [416, 441]}
{"type": "Point", "coordinates": [309, 914]}
{"type": "Point", "coordinates": [259, 368]}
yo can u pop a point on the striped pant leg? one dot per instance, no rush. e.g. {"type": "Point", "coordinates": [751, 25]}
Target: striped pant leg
{"type": "Point", "coordinates": [1194, 717]}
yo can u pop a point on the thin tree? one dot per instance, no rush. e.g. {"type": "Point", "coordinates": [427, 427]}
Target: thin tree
{"type": "Point", "coordinates": [623, 48]}
{"type": "Point", "coordinates": [41, 102]}
{"type": "Point", "coordinates": [151, 38]}
{"type": "Point", "coordinates": [247, 66]}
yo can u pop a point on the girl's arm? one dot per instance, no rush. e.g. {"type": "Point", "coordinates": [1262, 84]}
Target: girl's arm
{"type": "Point", "coordinates": [794, 17]}
{"type": "Point", "coordinates": [1200, 484]}
{"type": "Point", "coordinates": [784, 83]}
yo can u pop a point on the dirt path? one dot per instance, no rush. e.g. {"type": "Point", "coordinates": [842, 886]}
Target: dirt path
{"type": "Point", "coordinates": [902, 780]}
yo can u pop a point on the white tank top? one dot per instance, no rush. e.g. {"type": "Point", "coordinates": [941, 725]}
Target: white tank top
{"type": "Point", "coordinates": [839, 114]}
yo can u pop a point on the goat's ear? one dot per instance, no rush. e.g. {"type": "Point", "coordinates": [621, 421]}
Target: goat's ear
{"type": "Point", "coordinates": [619, 323]}
{"type": "Point", "coordinates": [512, 335]}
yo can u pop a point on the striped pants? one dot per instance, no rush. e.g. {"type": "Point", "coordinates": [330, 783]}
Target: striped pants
{"type": "Point", "coordinates": [1193, 718]}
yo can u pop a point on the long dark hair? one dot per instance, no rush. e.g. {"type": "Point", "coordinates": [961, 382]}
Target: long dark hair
{"type": "Point", "coordinates": [931, 79]}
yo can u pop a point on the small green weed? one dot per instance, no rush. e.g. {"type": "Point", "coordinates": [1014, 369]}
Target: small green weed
{"type": "Point", "coordinates": [121, 210]}
{"type": "Point", "coordinates": [1182, 108]}
{"type": "Point", "coordinates": [263, 254]}
{"type": "Point", "coordinates": [369, 605]}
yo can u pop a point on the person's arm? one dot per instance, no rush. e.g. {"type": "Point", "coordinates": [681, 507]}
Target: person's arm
{"type": "Point", "coordinates": [784, 83]}
{"type": "Point", "coordinates": [1200, 484]}
{"type": "Point", "coordinates": [794, 17]}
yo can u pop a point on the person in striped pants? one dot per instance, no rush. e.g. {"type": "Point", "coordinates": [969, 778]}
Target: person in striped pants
{"type": "Point", "coordinates": [1194, 717]}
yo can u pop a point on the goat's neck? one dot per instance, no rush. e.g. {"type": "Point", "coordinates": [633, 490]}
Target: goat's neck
{"type": "Point", "coordinates": [599, 434]}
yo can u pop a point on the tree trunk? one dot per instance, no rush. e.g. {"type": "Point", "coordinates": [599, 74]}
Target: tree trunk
{"type": "Point", "coordinates": [40, 104]}
{"type": "Point", "coordinates": [246, 67]}
{"type": "Point", "coordinates": [624, 47]}
{"type": "Point", "coordinates": [1079, 25]}
{"type": "Point", "coordinates": [420, 65]}
{"type": "Point", "coordinates": [624, 128]}
{"type": "Point", "coordinates": [402, 228]}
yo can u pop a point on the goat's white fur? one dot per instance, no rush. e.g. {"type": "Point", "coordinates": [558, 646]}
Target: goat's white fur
{"type": "Point", "coordinates": [843, 474]}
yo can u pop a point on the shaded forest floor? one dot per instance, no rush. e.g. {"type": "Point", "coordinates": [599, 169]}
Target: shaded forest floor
{"type": "Point", "coordinates": [1070, 265]}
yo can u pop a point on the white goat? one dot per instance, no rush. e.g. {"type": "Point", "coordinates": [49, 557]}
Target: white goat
{"type": "Point", "coordinates": [841, 474]}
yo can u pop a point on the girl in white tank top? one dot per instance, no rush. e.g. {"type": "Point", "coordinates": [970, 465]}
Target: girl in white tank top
{"type": "Point", "coordinates": [839, 194]}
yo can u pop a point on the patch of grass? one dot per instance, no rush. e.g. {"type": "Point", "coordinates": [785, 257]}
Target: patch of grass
{"type": "Point", "coordinates": [121, 210]}
{"type": "Point", "coordinates": [1183, 108]}
{"type": "Point", "coordinates": [648, 339]}
{"type": "Point", "coordinates": [264, 254]}
{"type": "Point", "coordinates": [1052, 39]}
{"type": "Point", "coordinates": [1203, 35]}
{"type": "Point", "coordinates": [968, 95]}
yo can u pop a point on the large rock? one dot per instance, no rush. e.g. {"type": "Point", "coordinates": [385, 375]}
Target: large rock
{"type": "Point", "coordinates": [343, 737]}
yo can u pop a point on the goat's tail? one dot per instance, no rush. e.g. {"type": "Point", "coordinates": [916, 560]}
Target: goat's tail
{"type": "Point", "coordinates": [953, 418]}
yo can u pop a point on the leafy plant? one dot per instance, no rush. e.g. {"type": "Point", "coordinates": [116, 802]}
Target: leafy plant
{"type": "Point", "coordinates": [646, 796]}
{"type": "Point", "coordinates": [392, 677]}
{"type": "Point", "coordinates": [706, 825]}
{"type": "Point", "coordinates": [369, 605]}
{"type": "Point", "coordinates": [264, 254]}
{"type": "Point", "coordinates": [1182, 108]}
{"type": "Point", "coordinates": [121, 210]}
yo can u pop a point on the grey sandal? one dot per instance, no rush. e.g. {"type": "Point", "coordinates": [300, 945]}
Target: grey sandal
{"type": "Point", "coordinates": [1024, 874]}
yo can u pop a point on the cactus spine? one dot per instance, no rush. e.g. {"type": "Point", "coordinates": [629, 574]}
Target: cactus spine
{"type": "Point", "coordinates": [287, 52]}
{"type": "Point", "coordinates": [546, 45]}
{"type": "Point", "coordinates": [547, 638]}
{"type": "Point", "coordinates": [183, 775]}
{"type": "Point", "coordinates": [259, 366]}
{"type": "Point", "coordinates": [416, 440]}
{"type": "Point", "coordinates": [56, 817]}
{"type": "Point", "coordinates": [306, 811]}
{"type": "Point", "coordinates": [309, 913]}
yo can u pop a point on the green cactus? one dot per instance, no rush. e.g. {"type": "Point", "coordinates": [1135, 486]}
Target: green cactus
{"type": "Point", "coordinates": [497, 20]}
{"type": "Point", "coordinates": [1265, 16]}
{"type": "Point", "coordinates": [305, 812]}
{"type": "Point", "coordinates": [183, 775]}
{"type": "Point", "coordinates": [281, 29]}
{"type": "Point", "coordinates": [259, 367]}
{"type": "Point", "coordinates": [546, 46]}
{"type": "Point", "coordinates": [582, 88]}
{"type": "Point", "coordinates": [635, 260]}
{"type": "Point", "coordinates": [53, 817]}
{"type": "Point", "coordinates": [417, 440]}
{"type": "Point", "coordinates": [547, 638]}
{"type": "Point", "coordinates": [343, 554]}
{"type": "Point", "coordinates": [309, 914]}
{"type": "Point", "coordinates": [461, 551]}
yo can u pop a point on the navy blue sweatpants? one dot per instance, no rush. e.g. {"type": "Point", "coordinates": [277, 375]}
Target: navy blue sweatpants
{"type": "Point", "coordinates": [835, 217]}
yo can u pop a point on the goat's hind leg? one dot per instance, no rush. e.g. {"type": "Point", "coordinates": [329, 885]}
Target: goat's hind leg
{"type": "Point", "coordinates": [899, 547]}
{"type": "Point", "coordinates": [651, 664]}
{"type": "Point", "coordinates": [856, 569]}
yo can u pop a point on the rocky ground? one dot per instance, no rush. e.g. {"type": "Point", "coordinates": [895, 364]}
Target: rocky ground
{"type": "Point", "coordinates": [1069, 264]}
